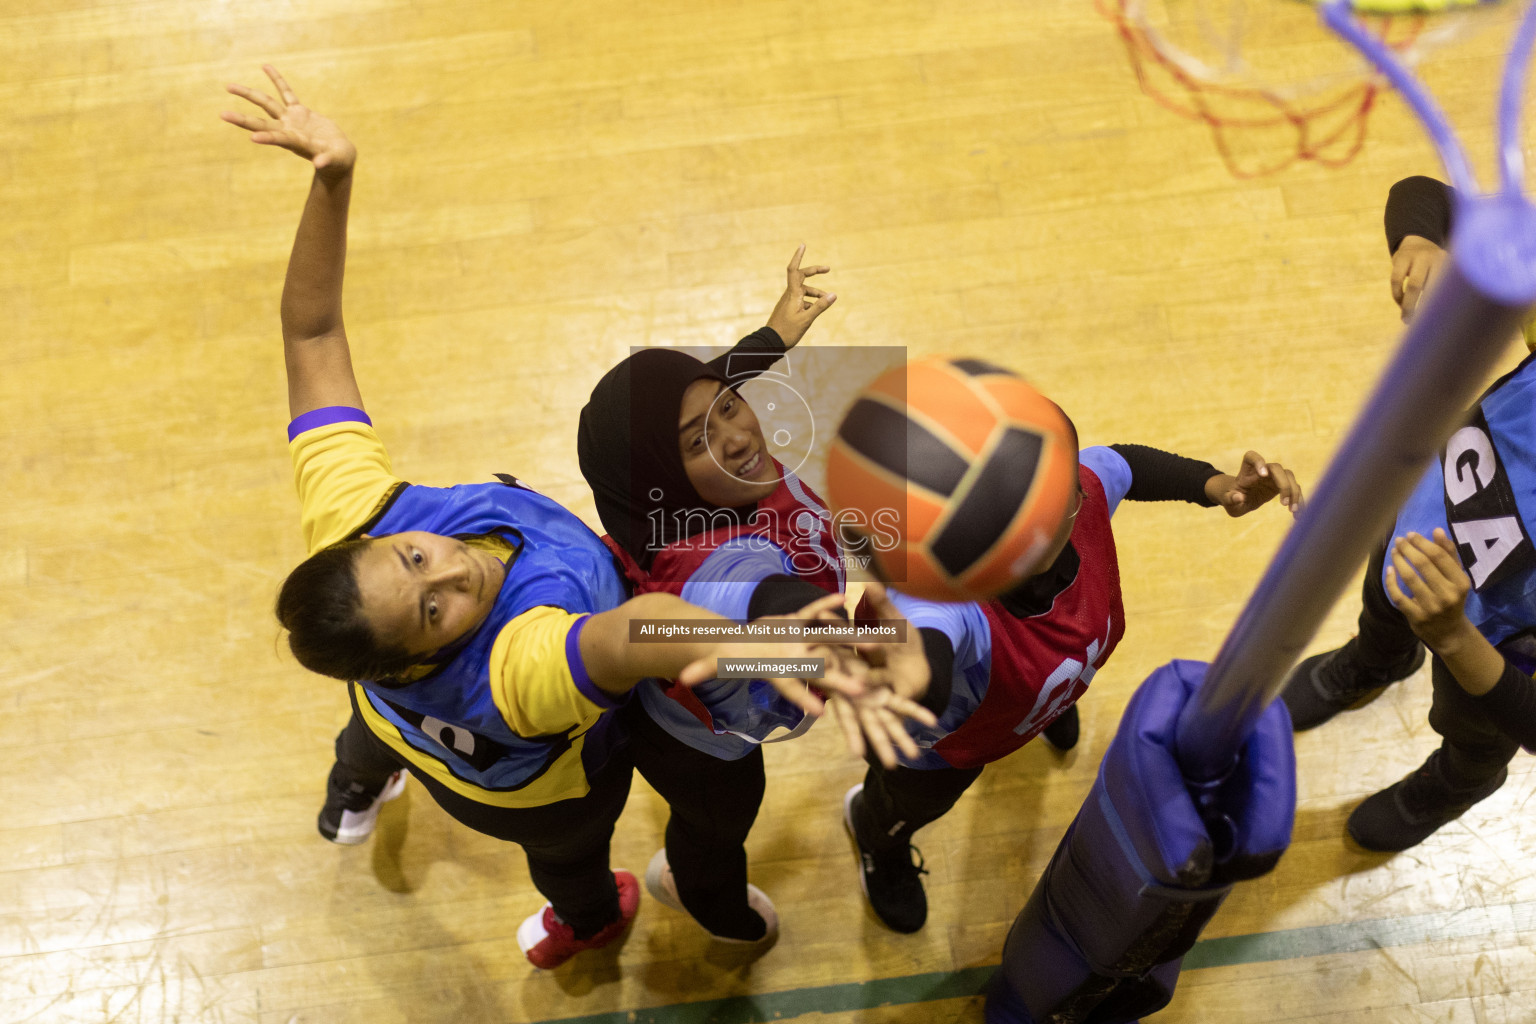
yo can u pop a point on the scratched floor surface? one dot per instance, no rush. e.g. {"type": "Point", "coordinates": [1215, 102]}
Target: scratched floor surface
{"type": "Point", "coordinates": [541, 186]}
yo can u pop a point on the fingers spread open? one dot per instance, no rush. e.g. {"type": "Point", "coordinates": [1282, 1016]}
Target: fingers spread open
{"type": "Point", "coordinates": [899, 735]}
{"type": "Point", "coordinates": [911, 709]}
{"type": "Point", "coordinates": [848, 722]}
{"type": "Point", "coordinates": [1442, 552]}
{"type": "Point", "coordinates": [794, 263]}
{"type": "Point", "coordinates": [283, 89]}
{"type": "Point", "coordinates": [1438, 570]}
{"type": "Point", "coordinates": [879, 741]}
{"type": "Point", "coordinates": [261, 99]}
{"type": "Point", "coordinates": [249, 122]}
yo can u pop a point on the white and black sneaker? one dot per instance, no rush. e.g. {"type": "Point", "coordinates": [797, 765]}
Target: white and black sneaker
{"type": "Point", "coordinates": [349, 813]}
{"type": "Point", "coordinates": [891, 882]}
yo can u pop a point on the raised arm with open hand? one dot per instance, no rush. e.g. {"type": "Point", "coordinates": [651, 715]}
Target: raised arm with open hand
{"type": "Point", "coordinates": [293, 126]}
{"type": "Point", "coordinates": [315, 351]}
{"type": "Point", "coordinates": [800, 304]}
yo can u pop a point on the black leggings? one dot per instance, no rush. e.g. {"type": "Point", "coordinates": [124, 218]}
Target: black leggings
{"type": "Point", "coordinates": [899, 801]}
{"type": "Point", "coordinates": [714, 803]}
{"type": "Point", "coordinates": [566, 842]}
{"type": "Point", "coordinates": [1474, 749]}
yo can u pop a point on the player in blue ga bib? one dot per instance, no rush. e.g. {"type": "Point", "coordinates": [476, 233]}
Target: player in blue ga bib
{"type": "Point", "coordinates": [1458, 575]}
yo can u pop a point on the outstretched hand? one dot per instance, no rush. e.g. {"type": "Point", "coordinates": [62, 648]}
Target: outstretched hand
{"type": "Point", "coordinates": [800, 304]}
{"type": "Point", "coordinates": [1256, 482]}
{"type": "Point", "coordinates": [842, 676]}
{"type": "Point", "coordinates": [897, 675]}
{"type": "Point", "coordinates": [294, 127]}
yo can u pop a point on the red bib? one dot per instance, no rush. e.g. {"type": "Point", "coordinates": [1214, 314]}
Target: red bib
{"type": "Point", "coordinates": [793, 517]}
{"type": "Point", "coordinates": [1041, 665]}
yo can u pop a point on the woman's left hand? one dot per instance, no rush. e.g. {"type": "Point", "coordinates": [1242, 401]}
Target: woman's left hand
{"type": "Point", "coordinates": [800, 304]}
{"type": "Point", "coordinates": [1256, 482]}
{"type": "Point", "coordinates": [879, 716]}
{"type": "Point", "coordinates": [841, 676]}
{"type": "Point", "coordinates": [897, 674]}
{"type": "Point", "coordinates": [1428, 585]}
{"type": "Point", "coordinates": [901, 668]}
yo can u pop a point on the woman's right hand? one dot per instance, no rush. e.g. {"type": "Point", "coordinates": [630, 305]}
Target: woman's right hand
{"type": "Point", "coordinates": [843, 676]}
{"type": "Point", "coordinates": [800, 304]}
{"type": "Point", "coordinates": [896, 675]}
{"type": "Point", "coordinates": [294, 127]}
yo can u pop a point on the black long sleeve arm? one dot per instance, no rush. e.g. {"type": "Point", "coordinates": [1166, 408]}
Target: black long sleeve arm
{"type": "Point", "coordinates": [1157, 475]}
{"type": "Point", "coordinates": [751, 356]}
{"type": "Point", "coordinates": [1512, 705]}
{"type": "Point", "coordinates": [941, 669]}
{"type": "Point", "coordinates": [781, 594]}
{"type": "Point", "coordinates": [1419, 206]}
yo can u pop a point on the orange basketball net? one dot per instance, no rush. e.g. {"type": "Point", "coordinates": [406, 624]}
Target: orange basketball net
{"type": "Point", "coordinates": [1259, 128]}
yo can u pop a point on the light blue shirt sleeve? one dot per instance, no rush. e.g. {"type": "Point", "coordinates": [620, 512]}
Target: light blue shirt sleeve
{"type": "Point", "coordinates": [725, 581]}
{"type": "Point", "coordinates": [1112, 470]}
{"type": "Point", "coordinates": [964, 624]}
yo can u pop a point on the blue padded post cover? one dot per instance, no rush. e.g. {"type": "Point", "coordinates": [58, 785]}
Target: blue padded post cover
{"type": "Point", "coordinates": [1136, 877]}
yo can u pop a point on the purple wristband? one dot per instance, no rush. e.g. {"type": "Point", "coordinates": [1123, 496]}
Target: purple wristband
{"type": "Point", "coordinates": [584, 682]}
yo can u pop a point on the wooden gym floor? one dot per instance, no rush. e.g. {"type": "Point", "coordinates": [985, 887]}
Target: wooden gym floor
{"type": "Point", "coordinates": [541, 186]}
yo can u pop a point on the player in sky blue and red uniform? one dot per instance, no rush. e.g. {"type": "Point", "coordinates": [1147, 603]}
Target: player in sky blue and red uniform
{"type": "Point", "coordinates": [1459, 574]}
{"type": "Point", "coordinates": [696, 506]}
{"type": "Point", "coordinates": [1015, 666]}
{"type": "Point", "coordinates": [483, 628]}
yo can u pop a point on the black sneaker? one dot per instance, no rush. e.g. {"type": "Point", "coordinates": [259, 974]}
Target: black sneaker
{"type": "Point", "coordinates": [1325, 684]}
{"type": "Point", "coordinates": [1061, 735]}
{"type": "Point", "coordinates": [891, 882]}
{"type": "Point", "coordinates": [1406, 813]}
{"type": "Point", "coordinates": [350, 811]}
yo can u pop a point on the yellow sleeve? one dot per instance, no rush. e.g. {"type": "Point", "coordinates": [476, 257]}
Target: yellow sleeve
{"type": "Point", "coordinates": [343, 476]}
{"type": "Point", "coordinates": [537, 678]}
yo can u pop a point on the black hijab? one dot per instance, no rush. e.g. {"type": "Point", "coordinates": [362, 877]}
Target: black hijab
{"type": "Point", "coordinates": [627, 446]}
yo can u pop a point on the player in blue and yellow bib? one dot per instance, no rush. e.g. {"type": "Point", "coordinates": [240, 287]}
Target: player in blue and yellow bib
{"type": "Point", "coordinates": [483, 629]}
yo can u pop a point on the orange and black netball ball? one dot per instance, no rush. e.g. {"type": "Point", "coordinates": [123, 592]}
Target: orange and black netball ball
{"type": "Point", "coordinates": [953, 476]}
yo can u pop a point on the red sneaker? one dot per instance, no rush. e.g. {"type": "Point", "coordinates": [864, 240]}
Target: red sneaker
{"type": "Point", "coordinates": [548, 942]}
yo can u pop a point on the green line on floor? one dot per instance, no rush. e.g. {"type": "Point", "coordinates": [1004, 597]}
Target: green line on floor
{"type": "Point", "coordinates": [1260, 947]}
